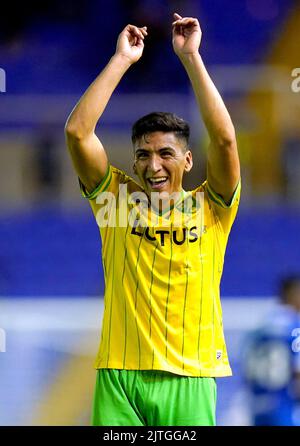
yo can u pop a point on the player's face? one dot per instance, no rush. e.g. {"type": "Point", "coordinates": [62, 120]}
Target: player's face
{"type": "Point", "coordinates": [160, 162]}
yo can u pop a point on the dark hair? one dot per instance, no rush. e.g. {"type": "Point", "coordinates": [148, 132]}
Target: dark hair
{"type": "Point", "coordinates": [160, 122]}
{"type": "Point", "coordinates": [287, 284]}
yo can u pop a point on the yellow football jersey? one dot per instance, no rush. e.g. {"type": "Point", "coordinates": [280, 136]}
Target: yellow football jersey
{"type": "Point", "coordinates": [162, 305]}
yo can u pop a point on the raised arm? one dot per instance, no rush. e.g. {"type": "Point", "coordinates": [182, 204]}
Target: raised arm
{"type": "Point", "coordinates": [87, 153]}
{"type": "Point", "coordinates": [223, 167]}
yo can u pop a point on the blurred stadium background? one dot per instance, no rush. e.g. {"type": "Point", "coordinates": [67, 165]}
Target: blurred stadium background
{"type": "Point", "coordinates": [51, 278]}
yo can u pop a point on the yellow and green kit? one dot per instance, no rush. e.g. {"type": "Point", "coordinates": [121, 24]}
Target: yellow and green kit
{"type": "Point", "coordinates": [162, 307]}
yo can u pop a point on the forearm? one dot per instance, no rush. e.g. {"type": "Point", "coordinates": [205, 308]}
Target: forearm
{"type": "Point", "coordinates": [223, 168]}
{"type": "Point", "coordinates": [212, 108]}
{"type": "Point", "coordinates": [85, 115]}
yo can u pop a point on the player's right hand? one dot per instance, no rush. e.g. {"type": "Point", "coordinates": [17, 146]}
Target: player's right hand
{"type": "Point", "coordinates": [130, 42]}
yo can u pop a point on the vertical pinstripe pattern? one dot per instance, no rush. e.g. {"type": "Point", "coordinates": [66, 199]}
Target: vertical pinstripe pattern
{"type": "Point", "coordinates": [150, 297]}
{"type": "Point", "coordinates": [112, 287]}
{"type": "Point", "coordinates": [224, 344]}
{"type": "Point", "coordinates": [150, 317]}
{"type": "Point", "coordinates": [154, 284]}
{"type": "Point", "coordinates": [201, 293]}
{"type": "Point", "coordinates": [168, 293]}
{"type": "Point", "coordinates": [125, 308]}
{"type": "Point", "coordinates": [105, 278]}
{"type": "Point", "coordinates": [213, 279]}
{"type": "Point", "coordinates": [104, 268]}
{"type": "Point", "coordinates": [111, 297]}
{"type": "Point", "coordinates": [183, 323]}
{"type": "Point", "coordinates": [135, 307]}
{"type": "Point", "coordinates": [185, 299]}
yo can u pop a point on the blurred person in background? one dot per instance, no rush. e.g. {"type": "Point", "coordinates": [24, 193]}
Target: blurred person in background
{"type": "Point", "coordinates": [162, 342]}
{"type": "Point", "coordinates": [46, 164]}
{"type": "Point", "coordinates": [290, 165]}
{"type": "Point", "coordinates": [272, 362]}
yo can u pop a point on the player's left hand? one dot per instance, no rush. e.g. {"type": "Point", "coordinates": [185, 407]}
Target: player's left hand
{"type": "Point", "coordinates": [186, 35]}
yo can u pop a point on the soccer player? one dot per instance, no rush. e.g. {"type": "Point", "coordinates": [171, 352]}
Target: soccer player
{"type": "Point", "coordinates": [271, 362]}
{"type": "Point", "coordinates": [162, 342]}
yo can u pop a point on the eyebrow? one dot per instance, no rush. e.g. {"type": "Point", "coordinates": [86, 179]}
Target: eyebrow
{"type": "Point", "coordinates": [140, 149]}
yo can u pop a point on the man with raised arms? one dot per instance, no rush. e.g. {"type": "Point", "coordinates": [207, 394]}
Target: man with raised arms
{"type": "Point", "coordinates": [162, 342]}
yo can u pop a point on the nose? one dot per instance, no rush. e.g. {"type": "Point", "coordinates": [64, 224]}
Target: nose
{"type": "Point", "coordinates": [154, 163]}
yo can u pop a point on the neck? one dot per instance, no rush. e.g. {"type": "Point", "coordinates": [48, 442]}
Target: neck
{"type": "Point", "coordinates": [163, 202]}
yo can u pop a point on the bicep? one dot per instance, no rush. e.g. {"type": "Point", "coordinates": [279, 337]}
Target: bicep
{"type": "Point", "coordinates": [89, 159]}
{"type": "Point", "coordinates": [223, 169]}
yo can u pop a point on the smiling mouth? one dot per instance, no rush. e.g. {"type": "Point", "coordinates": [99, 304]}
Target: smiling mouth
{"type": "Point", "coordinates": [157, 183]}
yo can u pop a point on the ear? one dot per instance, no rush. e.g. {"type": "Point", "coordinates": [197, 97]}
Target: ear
{"type": "Point", "coordinates": [188, 161]}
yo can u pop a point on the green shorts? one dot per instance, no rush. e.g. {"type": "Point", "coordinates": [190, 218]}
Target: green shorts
{"type": "Point", "coordinates": [153, 398]}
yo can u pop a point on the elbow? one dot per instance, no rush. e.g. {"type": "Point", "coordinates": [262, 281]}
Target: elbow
{"type": "Point", "coordinates": [229, 144]}
{"type": "Point", "coordinates": [73, 131]}
{"type": "Point", "coordinates": [227, 141]}
{"type": "Point", "coordinates": [223, 136]}
{"type": "Point", "coordinates": [225, 146]}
